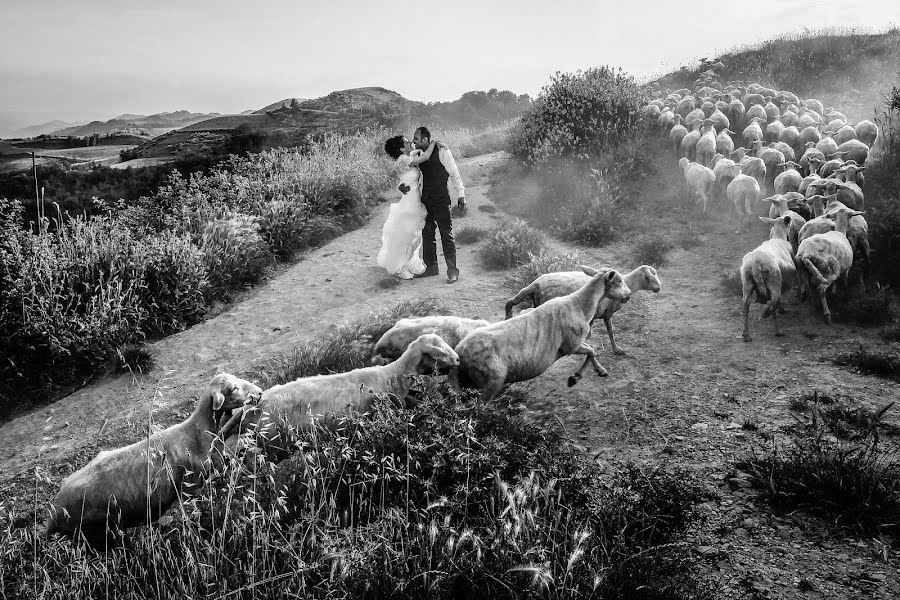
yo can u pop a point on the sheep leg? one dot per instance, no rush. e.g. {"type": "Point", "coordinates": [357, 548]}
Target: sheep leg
{"type": "Point", "coordinates": [826, 313]}
{"type": "Point", "coordinates": [491, 390]}
{"type": "Point", "coordinates": [523, 294]}
{"type": "Point", "coordinates": [585, 348]}
{"type": "Point", "coordinates": [749, 297]}
{"type": "Point", "coordinates": [616, 349]}
{"type": "Point", "coordinates": [773, 304]}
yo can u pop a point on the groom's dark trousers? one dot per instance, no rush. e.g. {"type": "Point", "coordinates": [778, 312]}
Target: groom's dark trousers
{"type": "Point", "coordinates": [436, 198]}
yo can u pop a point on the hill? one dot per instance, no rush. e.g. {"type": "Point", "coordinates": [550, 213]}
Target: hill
{"type": "Point", "coordinates": [842, 67]}
{"type": "Point", "coordinates": [153, 124]}
{"type": "Point", "coordinates": [274, 105]}
{"type": "Point", "coordinates": [44, 128]}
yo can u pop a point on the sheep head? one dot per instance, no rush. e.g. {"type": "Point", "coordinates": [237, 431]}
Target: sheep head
{"type": "Point", "coordinates": [648, 280]}
{"type": "Point", "coordinates": [435, 353]}
{"type": "Point", "coordinates": [613, 281]}
{"type": "Point", "coordinates": [226, 392]}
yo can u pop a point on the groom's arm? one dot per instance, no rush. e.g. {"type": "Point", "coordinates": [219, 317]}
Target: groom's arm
{"type": "Point", "coordinates": [447, 160]}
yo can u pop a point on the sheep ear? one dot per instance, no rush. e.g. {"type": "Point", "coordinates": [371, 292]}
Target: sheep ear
{"type": "Point", "coordinates": [856, 213]}
{"type": "Point", "coordinates": [767, 220]}
{"type": "Point", "coordinates": [610, 276]}
{"type": "Point", "coordinates": [588, 270]}
{"type": "Point", "coordinates": [218, 400]}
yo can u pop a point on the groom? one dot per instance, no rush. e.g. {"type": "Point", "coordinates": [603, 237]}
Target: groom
{"type": "Point", "coordinates": [436, 171]}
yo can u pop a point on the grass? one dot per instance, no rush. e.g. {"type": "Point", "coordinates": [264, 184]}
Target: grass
{"type": "Point", "coordinates": [884, 363]}
{"type": "Point", "coordinates": [488, 208]}
{"type": "Point", "coordinates": [890, 333]}
{"type": "Point", "coordinates": [853, 484]}
{"type": "Point", "coordinates": [730, 281]}
{"type": "Point", "coordinates": [652, 250]}
{"type": "Point", "coordinates": [509, 244]}
{"type": "Point", "coordinates": [467, 142]}
{"type": "Point", "coordinates": [869, 308]}
{"type": "Point", "coordinates": [469, 234]}
{"type": "Point", "coordinates": [452, 497]}
{"type": "Point", "coordinates": [135, 358]}
{"type": "Point", "coordinates": [545, 261]}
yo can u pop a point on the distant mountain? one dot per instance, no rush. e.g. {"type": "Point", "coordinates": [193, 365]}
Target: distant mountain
{"type": "Point", "coordinates": [44, 128]}
{"type": "Point", "coordinates": [274, 105]}
{"type": "Point", "coordinates": [153, 124]}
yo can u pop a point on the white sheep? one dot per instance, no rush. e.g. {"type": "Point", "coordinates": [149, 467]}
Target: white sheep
{"type": "Point", "coordinates": [768, 272]}
{"type": "Point", "coordinates": [706, 145]}
{"type": "Point", "coordinates": [854, 150]}
{"type": "Point", "coordinates": [397, 339]}
{"type": "Point", "coordinates": [700, 179]}
{"type": "Point", "coordinates": [111, 491]}
{"type": "Point", "coordinates": [525, 346]}
{"type": "Point", "coordinates": [789, 179]}
{"type": "Point", "coordinates": [555, 285]}
{"type": "Point", "coordinates": [284, 409]}
{"type": "Point", "coordinates": [677, 133]}
{"type": "Point", "coordinates": [780, 208]}
{"type": "Point", "coordinates": [743, 193]}
{"type": "Point", "coordinates": [857, 227]}
{"type": "Point", "coordinates": [866, 132]}
{"type": "Point", "coordinates": [826, 257]}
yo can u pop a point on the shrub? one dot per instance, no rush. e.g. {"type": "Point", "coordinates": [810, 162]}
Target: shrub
{"type": "Point", "coordinates": [577, 113]}
{"type": "Point", "coordinates": [469, 234]}
{"type": "Point", "coordinates": [855, 484]}
{"type": "Point", "coordinates": [731, 283]}
{"type": "Point", "coordinates": [174, 282]}
{"type": "Point", "coordinates": [545, 261]}
{"type": "Point", "coordinates": [872, 307]}
{"type": "Point", "coordinates": [234, 252]}
{"type": "Point", "coordinates": [871, 360]}
{"type": "Point", "coordinates": [510, 243]}
{"type": "Point", "coordinates": [652, 250]}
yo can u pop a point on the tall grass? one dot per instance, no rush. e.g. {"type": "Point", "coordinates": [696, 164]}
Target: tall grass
{"type": "Point", "coordinates": [70, 296]}
{"type": "Point", "coordinates": [475, 142]}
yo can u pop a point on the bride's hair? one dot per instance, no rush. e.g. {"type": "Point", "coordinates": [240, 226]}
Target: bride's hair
{"type": "Point", "coordinates": [394, 146]}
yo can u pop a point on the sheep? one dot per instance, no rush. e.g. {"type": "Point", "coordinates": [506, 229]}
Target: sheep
{"type": "Point", "coordinates": [397, 339]}
{"type": "Point", "coordinates": [720, 121]}
{"type": "Point", "coordinates": [772, 111]}
{"type": "Point", "coordinates": [111, 491]}
{"type": "Point", "coordinates": [827, 145]}
{"type": "Point", "coordinates": [807, 119]}
{"type": "Point", "coordinates": [844, 134]}
{"type": "Point", "coordinates": [708, 108]}
{"type": "Point", "coordinates": [788, 152]}
{"type": "Point", "coordinates": [809, 153]}
{"type": "Point", "coordinates": [772, 158]}
{"type": "Point", "coordinates": [706, 145]}
{"type": "Point", "coordinates": [689, 142]}
{"type": "Point", "coordinates": [810, 134]}
{"type": "Point", "coordinates": [554, 285]}
{"type": "Point", "coordinates": [768, 272]}
{"type": "Point", "coordinates": [695, 116]}
{"type": "Point", "coordinates": [685, 106]}
{"type": "Point", "coordinates": [725, 171]}
{"type": "Point", "coordinates": [752, 100]}
{"type": "Point", "coordinates": [814, 105]}
{"type": "Point", "coordinates": [790, 135]}
{"type": "Point", "coordinates": [848, 192]}
{"type": "Point", "coordinates": [857, 227]}
{"type": "Point", "coordinates": [826, 257]}
{"type": "Point", "coordinates": [743, 192]}
{"type": "Point", "coordinates": [789, 179]}
{"type": "Point", "coordinates": [677, 133]}
{"type": "Point", "coordinates": [753, 132]}
{"type": "Point", "coordinates": [780, 208]}
{"type": "Point", "coordinates": [735, 112]}
{"type": "Point", "coordinates": [866, 132]}
{"type": "Point", "coordinates": [525, 346]}
{"type": "Point", "coordinates": [853, 150]}
{"type": "Point", "coordinates": [788, 97]}
{"type": "Point", "coordinates": [790, 118]}
{"type": "Point", "coordinates": [292, 406]}
{"type": "Point", "coordinates": [699, 178]}
{"type": "Point", "coordinates": [724, 143]}
{"type": "Point", "coordinates": [772, 131]}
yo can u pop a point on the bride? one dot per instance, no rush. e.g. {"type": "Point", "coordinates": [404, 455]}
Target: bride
{"type": "Point", "coordinates": [401, 236]}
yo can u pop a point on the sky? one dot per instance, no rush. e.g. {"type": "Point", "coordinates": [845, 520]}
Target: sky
{"type": "Point", "coordinates": [100, 58]}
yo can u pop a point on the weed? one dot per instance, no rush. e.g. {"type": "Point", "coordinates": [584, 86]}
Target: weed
{"type": "Point", "coordinates": [134, 358]}
{"type": "Point", "coordinates": [510, 243]}
{"type": "Point", "coordinates": [652, 250]}
{"type": "Point", "coordinates": [469, 234]}
{"type": "Point", "coordinates": [871, 360]}
{"type": "Point", "coordinates": [731, 283]}
{"type": "Point", "coordinates": [488, 208]}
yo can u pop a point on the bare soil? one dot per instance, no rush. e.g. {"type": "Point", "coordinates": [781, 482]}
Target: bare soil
{"type": "Point", "coordinates": [679, 396]}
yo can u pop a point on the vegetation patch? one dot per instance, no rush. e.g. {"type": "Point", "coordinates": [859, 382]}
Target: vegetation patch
{"type": "Point", "coordinates": [510, 243]}
{"type": "Point", "coordinates": [652, 250]}
{"type": "Point", "coordinates": [730, 281]}
{"type": "Point", "coordinates": [853, 483]}
{"type": "Point", "coordinates": [469, 234]}
{"type": "Point", "coordinates": [875, 361]}
{"type": "Point", "coordinates": [870, 307]}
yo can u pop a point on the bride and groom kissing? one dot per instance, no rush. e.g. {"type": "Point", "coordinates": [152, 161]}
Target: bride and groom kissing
{"type": "Point", "coordinates": [425, 167]}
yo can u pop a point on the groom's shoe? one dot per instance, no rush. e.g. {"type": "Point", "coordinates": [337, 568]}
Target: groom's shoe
{"type": "Point", "coordinates": [430, 271]}
{"type": "Point", "coordinates": [453, 276]}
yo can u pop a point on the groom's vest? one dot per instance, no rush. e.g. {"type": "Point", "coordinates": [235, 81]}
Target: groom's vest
{"type": "Point", "coordinates": [434, 180]}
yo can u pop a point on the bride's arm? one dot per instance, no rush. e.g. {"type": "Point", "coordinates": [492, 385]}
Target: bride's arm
{"type": "Point", "coordinates": [415, 160]}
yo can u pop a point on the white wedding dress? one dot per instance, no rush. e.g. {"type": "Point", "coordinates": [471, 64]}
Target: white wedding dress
{"type": "Point", "coordinates": [401, 236]}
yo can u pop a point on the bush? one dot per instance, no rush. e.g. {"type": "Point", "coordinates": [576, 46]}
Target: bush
{"type": "Point", "coordinates": [871, 360]}
{"type": "Point", "coordinates": [652, 250]}
{"type": "Point", "coordinates": [856, 484]}
{"type": "Point", "coordinates": [234, 252]}
{"type": "Point", "coordinates": [545, 261]}
{"type": "Point", "coordinates": [510, 243]}
{"type": "Point", "coordinates": [578, 113]}
{"type": "Point", "coordinates": [871, 307]}
{"type": "Point", "coordinates": [469, 234]}
{"type": "Point", "coordinates": [175, 280]}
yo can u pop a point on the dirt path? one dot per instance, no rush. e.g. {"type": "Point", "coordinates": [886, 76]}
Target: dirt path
{"type": "Point", "coordinates": [679, 397]}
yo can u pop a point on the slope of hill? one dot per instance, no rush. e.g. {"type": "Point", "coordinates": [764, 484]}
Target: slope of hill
{"type": "Point", "coordinates": [842, 67]}
{"type": "Point", "coordinates": [154, 124]}
{"type": "Point", "coordinates": [44, 128]}
{"type": "Point", "coordinates": [274, 105]}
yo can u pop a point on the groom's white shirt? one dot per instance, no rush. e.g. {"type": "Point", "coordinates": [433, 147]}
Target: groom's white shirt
{"type": "Point", "coordinates": [446, 158]}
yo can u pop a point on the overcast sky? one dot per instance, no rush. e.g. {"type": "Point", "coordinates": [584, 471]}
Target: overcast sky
{"type": "Point", "coordinates": [76, 59]}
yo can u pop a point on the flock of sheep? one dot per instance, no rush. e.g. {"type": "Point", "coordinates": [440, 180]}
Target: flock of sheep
{"type": "Point", "coordinates": [136, 484]}
{"type": "Point", "coordinates": [803, 161]}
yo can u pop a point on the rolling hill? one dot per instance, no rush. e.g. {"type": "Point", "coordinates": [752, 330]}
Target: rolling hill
{"type": "Point", "coordinates": [152, 124]}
